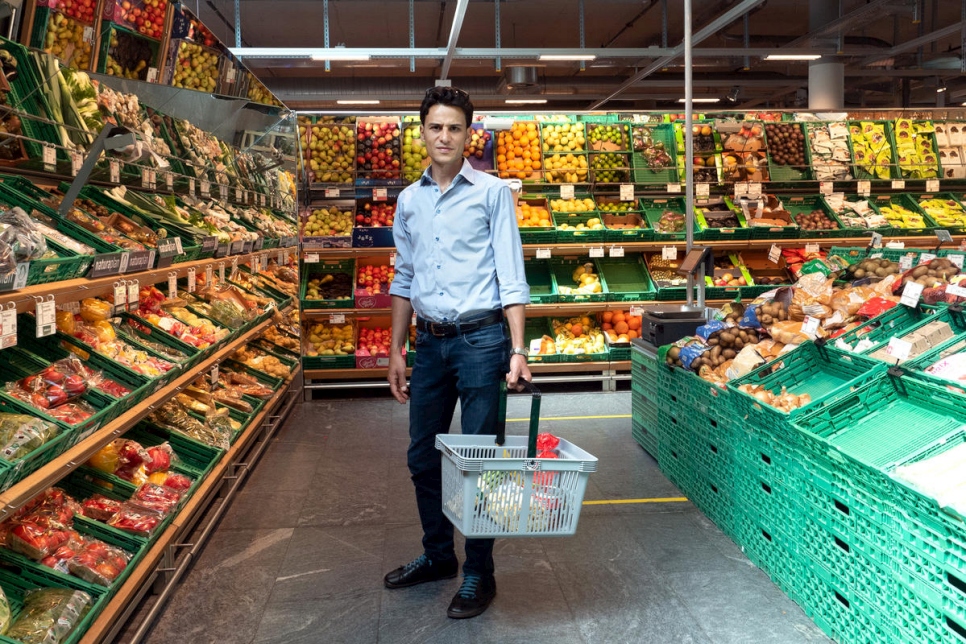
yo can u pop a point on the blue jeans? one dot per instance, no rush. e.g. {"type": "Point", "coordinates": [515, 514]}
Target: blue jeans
{"type": "Point", "coordinates": [467, 367]}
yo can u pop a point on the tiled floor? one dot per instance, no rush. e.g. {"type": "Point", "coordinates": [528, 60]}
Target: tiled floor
{"type": "Point", "coordinates": [300, 554]}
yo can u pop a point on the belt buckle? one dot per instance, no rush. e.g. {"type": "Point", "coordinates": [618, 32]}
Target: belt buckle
{"type": "Point", "coordinates": [436, 333]}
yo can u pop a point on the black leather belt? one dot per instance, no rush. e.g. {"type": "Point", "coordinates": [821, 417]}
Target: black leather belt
{"type": "Point", "coordinates": [453, 329]}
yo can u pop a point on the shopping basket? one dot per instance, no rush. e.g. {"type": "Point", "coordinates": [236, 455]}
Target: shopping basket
{"type": "Point", "coordinates": [494, 486]}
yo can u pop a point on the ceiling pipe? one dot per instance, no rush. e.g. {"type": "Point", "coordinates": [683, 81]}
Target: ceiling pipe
{"type": "Point", "coordinates": [914, 43]}
{"type": "Point", "coordinates": [630, 23]}
{"type": "Point", "coordinates": [869, 12]}
{"type": "Point", "coordinates": [776, 40]}
{"type": "Point", "coordinates": [454, 36]}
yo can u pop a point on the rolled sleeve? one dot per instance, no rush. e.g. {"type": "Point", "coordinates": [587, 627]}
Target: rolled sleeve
{"type": "Point", "coordinates": [403, 280]}
{"type": "Point", "coordinates": [507, 249]}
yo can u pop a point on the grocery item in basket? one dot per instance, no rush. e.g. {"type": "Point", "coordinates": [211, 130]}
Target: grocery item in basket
{"type": "Point", "coordinates": [21, 434]}
{"type": "Point", "coordinates": [49, 615]}
{"type": "Point", "coordinates": [136, 519]}
{"type": "Point", "coordinates": [157, 497]}
{"type": "Point", "coordinates": [172, 480]}
{"type": "Point", "coordinates": [37, 537]}
{"type": "Point", "coordinates": [501, 494]}
{"type": "Point", "coordinates": [98, 562]}
{"type": "Point", "coordinates": [17, 230]}
{"type": "Point", "coordinates": [100, 507]}
{"type": "Point", "coordinates": [95, 310]}
{"type": "Point", "coordinates": [872, 269]}
{"type": "Point", "coordinates": [783, 401]}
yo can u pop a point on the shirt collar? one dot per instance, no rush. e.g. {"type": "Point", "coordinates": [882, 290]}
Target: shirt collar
{"type": "Point", "coordinates": [467, 172]}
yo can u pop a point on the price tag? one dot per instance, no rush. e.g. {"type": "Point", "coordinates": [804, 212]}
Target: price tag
{"type": "Point", "coordinates": [172, 285]}
{"type": "Point", "coordinates": [826, 187]}
{"type": "Point", "coordinates": [674, 187]}
{"type": "Point", "coordinates": [234, 267]}
{"type": "Point", "coordinates": [238, 194]}
{"type": "Point", "coordinates": [120, 296]}
{"type": "Point", "coordinates": [899, 348]}
{"type": "Point", "coordinates": [205, 188]}
{"type": "Point", "coordinates": [46, 317]}
{"type": "Point", "coordinates": [957, 260]}
{"type": "Point", "coordinates": [925, 258]}
{"type": "Point", "coordinates": [810, 326]}
{"type": "Point", "coordinates": [932, 185]}
{"type": "Point", "coordinates": [147, 181]}
{"type": "Point", "coordinates": [378, 194]}
{"type": "Point", "coordinates": [392, 259]}
{"type": "Point", "coordinates": [115, 167]}
{"type": "Point", "coordinates": [76, 161]}
{"type": "Point", "coordinates": [669, 253]}
{"type": "Point", "coordinates": [534, 345]}
{"type": "Point", "coordinates": [596, 252]}
{"type": "Point", "coordinates": [88, 34]}
{"type": "Point", "coordinates": [944, 237]}
{"type": "Point", "coordinates": [337, 318]}
{"type": "Point", "coordinates": [774, 253]}
{"type": "Point", "coordinates": [191, 186]}
{"type": "Point", "coordinates": [898, 184]}
{"type": "Point", "coordinates": [543, 253]}
{"type": "Point", "coordinates": [958, 291]}
{"type": "Point", "coordinates": [627, 192]}
{"type": "Point", "coordinates": [221, 271]}
{"type": "Point", "coordinates": [255, 263]}
{"type": "Point", "coordinates": [223, 191]}
{"type": "Point", "coordinates": [8, 327]}
{"type": "Point", "coordinates": [209, 274]}
{"type": "Point", "coordinates": [50, 158]}
{"type": "Point", "coordinates": [911, 294]}
{"type": "Point", "coordinates": [133, 295]}
{"type": "Point", "coordinates": [905, 262]}
{"type": "Point", "coordinates": [812, 249]}
{"type": "Point", "coordinates": [152, 74]}
{"type": "Point", "coordinates": [741, 190]}
{"type": "Point", "coordinates": [230, 75]}
{"type": "Point", "coordinates": [754, 189]}
{"type": "Point", "coordinates": [177, 244]}
{"type": "Point", "coordinates": [864, 188]}
{"type": "Point", "coordinates": [311, 258]}
{"type": "Point", "coordinates": [214, 374]}
{"type": "Point", "coordinates": [896, 245]}
{"type": "Point", "coordinates": [876, 240]}
{"type": "Point", "coordinates": [168, 181]}
{"type": "Point", "coordinates": [636, 310]}
{"type": "Point", "coordinates": [616, 251]}
{"type": "Point", "coordinates": [567, 191]}
{"type": "Point", "coordinates": [875, 256]}
{"type": "Point", "coordinates": [333, 193]}
{"type": "Point", "coordinates": [192, 280]}
{"type": "Point", "coordinates": [702, 189]}
{"type": "Point", "coordinates": [261, 199]}
{"type": "Point", "coordinates": [281, 258]}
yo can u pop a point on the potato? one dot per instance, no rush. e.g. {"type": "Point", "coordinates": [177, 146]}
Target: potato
{"type": "Point", "coordinates": [859, 273]}
{"type": "Point", "coordinates": [727, 338]}
{"type": "Point", "coordinates": [740, 344]}
{"type": "Point", "coordinates": [919, 271]}
{"type": "Point", "coordinates": [712, 342]}
{"type": "Point", "coordinates": [674, 353]}
{"type": "Point", "coordinates": [729, 354]}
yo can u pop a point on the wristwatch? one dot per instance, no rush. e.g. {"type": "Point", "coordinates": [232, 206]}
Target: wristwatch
{"type": "Point", "coordinates": [520, 351]}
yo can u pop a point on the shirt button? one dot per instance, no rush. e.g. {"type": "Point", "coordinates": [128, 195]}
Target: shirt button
{"type": "Point", "coordinates": [439, 266]}
{"type": "Point", "coordinates": [437, 239]}
{"type": "Point", "coordinates": [437, 211]}
{"type": "Point", "coordinates": [440, 292]}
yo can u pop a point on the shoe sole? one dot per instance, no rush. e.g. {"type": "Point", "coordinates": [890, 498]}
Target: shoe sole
{"type": "Point", "coordinates": [416, 583]}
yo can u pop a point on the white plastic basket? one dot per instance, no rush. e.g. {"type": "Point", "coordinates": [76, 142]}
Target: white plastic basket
{"type": "Point", "coordinates": [496, 491]}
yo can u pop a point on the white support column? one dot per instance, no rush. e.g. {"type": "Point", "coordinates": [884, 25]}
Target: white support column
{"type": "Point", "coordinates": [826, 86]}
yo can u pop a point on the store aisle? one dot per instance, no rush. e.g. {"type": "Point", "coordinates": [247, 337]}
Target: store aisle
{"type": "Point", "coordinates": [300, 555]}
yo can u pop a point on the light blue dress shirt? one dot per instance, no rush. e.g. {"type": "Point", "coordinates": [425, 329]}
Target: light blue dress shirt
{"type": "Point", "coordinates": [458, 252]}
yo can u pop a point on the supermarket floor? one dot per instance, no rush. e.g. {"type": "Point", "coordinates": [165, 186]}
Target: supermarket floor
{"type": "Point", "coordinates": [300, 554]}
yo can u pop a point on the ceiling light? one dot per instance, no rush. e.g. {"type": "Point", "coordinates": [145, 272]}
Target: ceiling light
{"type": "Point", "coordinates": [568, 57]}
{"type": "Point", "coordinates": [525, 101]}
{"type": "Point", "coordinates": [941, 88]}
{"type": "Point", "coordinates": [700, 100]}
{"type": "Point", "coordinates": [357, 102]}
{"type": "Point", "coordinates": [793, 56]}
{"type": "Point", "coordinates": [335, 54]}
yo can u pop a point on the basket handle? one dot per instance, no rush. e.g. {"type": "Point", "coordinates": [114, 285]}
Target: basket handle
{"type": "Point", "coordinates": [534, 416]}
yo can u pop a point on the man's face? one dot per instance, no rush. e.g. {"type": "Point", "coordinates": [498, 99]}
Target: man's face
{"type": "Point", "coordinates": [445, 134]}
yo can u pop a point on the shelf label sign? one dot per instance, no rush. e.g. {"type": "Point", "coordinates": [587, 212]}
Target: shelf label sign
{"type": "Point", "coordinates": [312, 258]}
{"type": "Point", "coordinates": [911, 294]}
{"type": "Point", "coordinates": [221, 271]}
{"type": "Point", "coordinates": [774, 253]}
{"type": "Point", "coordinates": [152, 75]}
{"type": "Point", "coordinates": [223, 191]}
{"type": "Point", "coordinates": [76, 161]}
{"type": "Point", "coordinates": [958, 291]}
{"type": "Point", "coordinates": [120, 296]}
{"type": "Point", "coordinates": [46, 316]}
{"type": "Point", "coordinates": [702, 190]}
{"type": "Point", "coordinates": [334, 193]}
{"type": "Point", "coordinates": [209, 244]}
{"type": "Point", "coordinates": [168, 247]}
{"type": "Point", "coordinates": [191, 186]}
{"type": "Point", "coordinates": [905, 262]}
{"type": "Point", "coordinates": [147, 179]}
{"type": "Point", "coordinates": [754, 189]}
{"type": "Point", "coordinates": [669, 253]}
{"type": "Point", "coordinates": [596, 252]}
{"type": "Point", "coordinates": [957, 260]}
{"type": "Point", "coordinates": [812, 249]}
{"type": "Point", "coordinates": [378, 194]}
{"type": "Point", "coordinates": [876, 240]}
{"type": "Point", "coordinates": [899, 348]}
{"type": "Point", "coordinates": [50, 158]}
{"type": "Point", "coordinates": [214, 374]}
{"type": "Point", "coordinates": [192, 280]}
{"type": "Point", "coordinates": [8, 326]}
{"type": "Point", "coordinates": [567, 191]}
{"type": "Point", "coordinates": [616, 251]}
{"type": "Point", "coordinates": [337, 318]}
{"type": "Point", "coordinates": [864, 188]}
{"type": "Point", "coordinates": [205, 188]}
{"type": "Point", "coordinates": [133, 295]}
{"type": "Point", "coordinates": [172, 285]}
{"type": "Point", "coordinates": [115, 167]}
{"type": "Point", "coordinates": [944, 237]}
{"type": "Point", "coordinates": [627, 192]}
{"type": "Point", "coordinates": [543, 253]}
{"type": "Point", "coordinates": [168, 180]}
{"type": "Point", "coordinates": [674, 187]}
{"type": "Point", "coordinates": [932, 185]}
{"type": "Point", "coordinates": [209, 274]}
{"type": "Point", "coordinates": [826, 187]}
{"type": "Point", "coordinates": [925, 258]}
{"type": "Point", "coordinates": [810, 326]}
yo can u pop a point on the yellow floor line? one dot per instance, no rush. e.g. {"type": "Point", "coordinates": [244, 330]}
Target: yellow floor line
{"type": "Point", "coordinates": [526, 420]}
{"type": "Point", "coordinates": [672, 499]}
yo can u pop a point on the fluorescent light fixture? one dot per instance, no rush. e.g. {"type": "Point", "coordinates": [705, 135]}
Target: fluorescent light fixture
{"type": "Point", "coordinates": [335, 54]}
{"type": "Point", "coordinates": [353, 101]}
{"type": "Point", "coordinates": [793, 56]}
{"type": "Point", "coordinates": [567, 57]}
{"type": "Point", "coordinates": [700, 100]}
{"type": "Point", "coordinates": [525, 101]}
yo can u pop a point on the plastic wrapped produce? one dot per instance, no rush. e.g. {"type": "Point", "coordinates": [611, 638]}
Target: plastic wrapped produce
{"type": "Point", "coordinates": [136, 519]}
{"type": "Point", "coordinates": [98, 562]}
{"type": "Point", "coordinates": [157, 497]}
{"type": "Point", "coordinates": [6, 616]}
{"type": "Point", "coordinates": [21, 434]}
{"type": "Point", "coordinates": [49, 615]}
{"type": "Point", "coordinates": [23, 237]}
{"type": "Point", "coordinates": [100, 507]}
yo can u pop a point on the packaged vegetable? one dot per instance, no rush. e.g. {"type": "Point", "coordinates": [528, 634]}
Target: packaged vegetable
{"type": "Point", "coordinates": [136, 519]}
{"type": "Point", "coordinates": [24, 238]}
{"type": "Point", "coordinates": [65, 322]}
{"type": "Point", "coordinates": [20, 434]}
{"type": "Point", "coordinates": [98, 563]}
{"type": "Point", "coordinates": [37, 538]}
{"type": "Point", "coordinates": [157, 497]}
{"type": "Point", "coordinates": [106, 459]}
{"type": "Point", "coordinates": [49, 615]}
{"type": "Point", "coordinates": [94, 310]}
{"type": "Point", "coordinates": [6, 616]}
{"type": "Point", "coordinates": [161, 457]}
{"type": "Point", "coordinates": [104, 331]}
{"type": "Point", "coordinates": [100, 507]}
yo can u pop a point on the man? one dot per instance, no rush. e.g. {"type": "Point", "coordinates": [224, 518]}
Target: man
{"type": "Point", "coordinates": [459, 265]}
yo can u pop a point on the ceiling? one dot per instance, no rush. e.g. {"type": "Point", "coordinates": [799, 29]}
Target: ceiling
{"type": "Point", "coordinates": [894, 52]}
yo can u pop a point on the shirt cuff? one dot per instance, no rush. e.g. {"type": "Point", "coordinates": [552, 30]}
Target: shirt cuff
{"type": "Point", "coordinates": [514, 294]}
{"type": "Point", "coordinates": [398, 289]}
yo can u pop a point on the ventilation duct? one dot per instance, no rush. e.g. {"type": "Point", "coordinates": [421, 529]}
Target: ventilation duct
{"type": "Point", "coordinates": [520, 79]}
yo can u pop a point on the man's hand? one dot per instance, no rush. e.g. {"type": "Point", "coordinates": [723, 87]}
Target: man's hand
{"type": "Point", "coordinates": [519, 370]}
{"type": "Point", "coordinates": [397, 377]}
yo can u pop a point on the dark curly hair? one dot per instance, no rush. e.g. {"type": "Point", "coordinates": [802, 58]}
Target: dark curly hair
{"type": "Point", "coordinates": [446, 96]}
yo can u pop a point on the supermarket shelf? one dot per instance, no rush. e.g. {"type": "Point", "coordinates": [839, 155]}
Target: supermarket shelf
{"type": "Point", "coordinates": [533, 310]}
{"type": "Point", "coordinates": [51, 473]}
{"type": "Point", "coordinates": [115, 614]}
{"type": "Point", "coordinates": [75, 289]}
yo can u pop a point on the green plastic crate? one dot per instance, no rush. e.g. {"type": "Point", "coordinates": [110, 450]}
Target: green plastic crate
{"type": "Point", "coordinates": [741, 232]}
{"type": "Point", "coordinates": [331, 267]}
{"type": "Point", "coordinates": [889, 141]}
{"type": "Point", "coordinates": [797, 205]}
{"type": "Point", "coordinates": [577, 236]}
{"type": "Point", "coordinates": [535, 329]}
{"type": "Point", "coordinates": [543, 287]}
{"type": "Point", "coordinates": [896, 321]}
{"type": "Point", "coordinates": [787, 174]}
{"type": "Point", "coordinates": [562, 270]}
{"type": "Point", "coordinates": [642, 172]}
{"type": "Point", "coordinates": [654, 208]}
{"type": "Point", "coordinates": [879, 202]}
{"type": "Point", "coordinates": [626, 279]}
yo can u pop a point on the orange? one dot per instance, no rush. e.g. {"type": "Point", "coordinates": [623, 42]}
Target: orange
{"type": "Point", "coordinates": [606, 326]}
{"type": "Point", "coordinates": [618, 317]}
{"type": "Point", "coordinates": [634, 322]}
{"type": "Point", "coordinates": [577, 330]}
{"type": "Point", "coordinates": [621, 327]}
{"type": "Point", "coordinates": [607, 316]}
{"type": "Point", "coordinates": [632, 334]}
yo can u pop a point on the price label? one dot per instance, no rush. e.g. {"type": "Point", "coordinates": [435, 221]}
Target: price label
{"type": "Point", "coordinates": [567, 191]}
{"type": "Point", "coordinates": [669, 253]}
{"type": "Point", "coordinates": [826, 187]}
{"type": "Point", "coordinates": [958, 291]}
{"type": "Point", "coordinates": [812, 249]}
{"type": "Point", "coordinates": [221, 271]}
{"type": "Point", "coordinates": [173, 285]}
{"type": "Point", "coordinates": [205, 188]}
{"type": "Point", "coordinates": [674, 187]}
{"type": "Point", "coordinates": [115, 168]}
{"type": "Point", "coordinates": [223, 191]}
{"type": "Point", "coordinates": [120, 296]}
{"type": "Point", "coordinates": [875, 256]}
{"type": "Point", "coordinates": [596, 252]}
{"type": "Point", "coordinates": [702, 190]}
{"type": "Point", "coordinates": [234, 267]}
{"type": "Point", "coordinates": [378, 194]}
{"type": "Point", "coordinates": [627, 192]}
{"type": "Point", "coordinates": [76, 161]}
{"type": "Point", "coordinates": [944, 237]}
{"type": "Point", "coordinates": [864, 188]}
{"type": "Point", "coordinates": [754, 189]}
{"type": "Point", "coordinates": [8, 328]}
{"type": "Point", "coordinates": [905, 262]}
{"type": "Point", "coordinates": [168, 181]}
{"type": "Point", "coordinates": [899, 348]}
{"type": "Point", "coordinates": [957, 260]}
{"type": "Point", "coordinates": [46, 317]}
{"type": "Point", "coordinates": [925, 258]}
{"type": "Point", "coordinates": [932, 185]}
{"type": "Point", "coordinates": [88, 34]}
{"type": "Point", "coordinates": [333, 193]}
{"type": "Point", "coordinates": [774, 253]}
{"type": "Point", "coordinates": [133, 295]}
{"type": "Point", "coordinates": [392, 259]}
{"type": "Point", "coordinates": [810, 326]}
{"type": "Point", "coordinates": [261, 199]}
{"type": "Point", "coordinates": [255, 263]}
{"type": "Point", "coordinates": [616, 251]}
{"type": "Point", "coordinates": [311, 258]}
{"type": "Point", "coordinates": [280, 259]}
{"type": "Point", "coordinates": [147, 181]}
{"type": "Point", "coordinates": [50, 158]}
{"type": "Point", "coordinates": [898, 184]}
{"type": "Point", "coordinates": [337, 318]}
{"type": "Point", "coordinates": [238, 194]}
{"type": "Point", "coordinates": [191, 186]}
{"type": "Point", "coordinates": [152, 74]}
{"type": "Point", "coordinates": [209, 274]}
{"type": "Point", "coordinates": [230, 75]}
{"type": "Point", "coordinates": [534, 344]}
{"type": "Point", "coordinates": [896, 245]}
{"type": "Point", "coordinates": [543, 253]}
{"type": "Point", "coordinates": [911, 294]}
{"type": "Point", "coordinates": [214, 374]}
{"type": "Point", "coordinates": [177, 245]}
{"type": "Point", "coordinates": [876, 240]}
{"type": "Point", "coordinates": [192, 280]}
{"type": "Point", "coordinates": [636, 310]}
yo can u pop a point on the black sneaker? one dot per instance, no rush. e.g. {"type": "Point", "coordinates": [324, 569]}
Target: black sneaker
{"type": "Point", "coordinates": [473, 598]}
{"type": "Point", "coordinates": [419, 571]}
